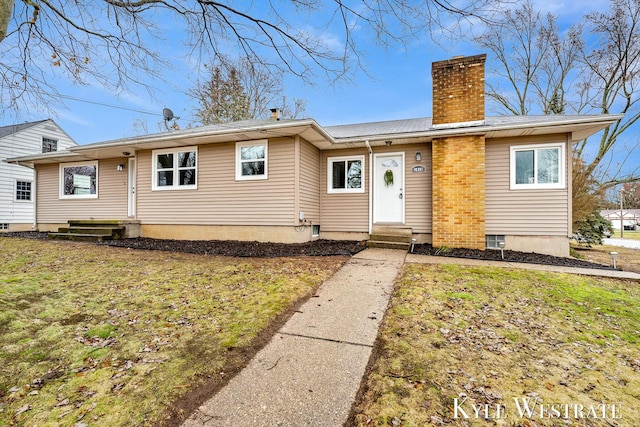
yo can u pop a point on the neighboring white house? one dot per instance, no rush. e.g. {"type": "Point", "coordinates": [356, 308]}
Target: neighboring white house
{"type": "Point", "coordinates": [630, 218]}
{"type": "Point", "coordinates": [17, 183]}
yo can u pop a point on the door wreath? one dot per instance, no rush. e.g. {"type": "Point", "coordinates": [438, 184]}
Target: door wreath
{"type": "Point", "coordinates": [388, 178]}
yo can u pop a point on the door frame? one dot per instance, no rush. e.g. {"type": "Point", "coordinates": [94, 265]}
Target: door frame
{"type": "Point", "coordinates": [131, 187]}
{"type": "Point", "coordinates": [403, 188]}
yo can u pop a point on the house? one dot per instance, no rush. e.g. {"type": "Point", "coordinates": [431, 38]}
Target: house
{"type": "Point", "coordinates": [459, 179]}
{"type": "Point", "coordinates": [630, 218]}
{"type": "Point", "coordinates": [17, 188]}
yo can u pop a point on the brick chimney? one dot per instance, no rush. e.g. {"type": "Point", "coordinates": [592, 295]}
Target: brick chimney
{"type": "Point", "coordinates": [458, 91]}
{"type": "Point", "coordinates": [458, 161]}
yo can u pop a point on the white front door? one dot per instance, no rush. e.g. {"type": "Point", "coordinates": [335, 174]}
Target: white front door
{"type": "Point", "coordinates": [131, 175]}
{"type": "Point", "coordinates": [388, 188]}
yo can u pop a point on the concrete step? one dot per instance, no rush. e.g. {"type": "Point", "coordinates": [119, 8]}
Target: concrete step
{"type": "Point", "coordinates": [80, 237]}
{"type": "Point", "coordinates": [389, 245]}
{"type": "Point", "coordinates": [390, 237]}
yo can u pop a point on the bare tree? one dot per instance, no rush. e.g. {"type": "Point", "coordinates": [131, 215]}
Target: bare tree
{"type": "Point", "coordinates": [108, 40]}
{"type": "Point", "coordinates": [533, 61]}
{"type": "Point", "coordinates": [611, 84]}
{"type": "Point", "coordinates": [240, 90]}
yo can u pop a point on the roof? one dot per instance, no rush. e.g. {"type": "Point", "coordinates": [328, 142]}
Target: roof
{"type": "Point", "coordinates": [11, 129]}
{"type": "Point", "coordinates": [407, 131]}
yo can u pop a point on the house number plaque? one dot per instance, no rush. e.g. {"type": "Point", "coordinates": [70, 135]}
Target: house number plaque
{"type": "Point", "coordinates": [418, 169]}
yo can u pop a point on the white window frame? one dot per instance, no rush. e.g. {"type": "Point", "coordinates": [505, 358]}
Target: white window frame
{"type": "Point", "coordinates": [63, 166]}
{"type": "Point", "coordinates": [176, 169]}
{"type": "Point", "coordinates": [239, 161]}
{"type": "Point", "coordinates": [562, 166]}
{"type": "Point", "coordinates": [49, 141]}
{"type": "Point", "coordinates": [331, 161]}
{"type": "Point", "coordinates": [15, 192]}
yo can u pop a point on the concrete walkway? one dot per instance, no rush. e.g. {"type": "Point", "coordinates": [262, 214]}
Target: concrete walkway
{"type": "Point", "coordinates": [310, 372]}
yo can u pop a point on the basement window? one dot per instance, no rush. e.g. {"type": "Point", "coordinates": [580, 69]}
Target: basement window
{"type": "Point", "coordinates": [315, 230]}
{"type": "Point", "coordinates": [4, 226]}
{"type": "Point", "coordinates": [493, 240]}
{"type": "Point", "coordinates": [537, 166]}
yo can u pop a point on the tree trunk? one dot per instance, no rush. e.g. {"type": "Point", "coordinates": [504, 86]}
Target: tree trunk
{"type": "Point", "coordinates": [6, 6]}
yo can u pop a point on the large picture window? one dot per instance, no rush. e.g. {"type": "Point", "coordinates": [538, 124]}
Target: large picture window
{"type": "Point", "coordinates": [344, 174]}
{"type": "Point", "coordinates": [175, 169]}
{"type": "Point", "coordinates": [538, 166]}
{"type": "Point", "coordinates": [252, 160]}
{"type": "Point", "coordinates": [79, 180]}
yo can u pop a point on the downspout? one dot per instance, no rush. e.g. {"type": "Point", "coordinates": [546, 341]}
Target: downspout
{"type": "Point", "coordinates": [366, 143]}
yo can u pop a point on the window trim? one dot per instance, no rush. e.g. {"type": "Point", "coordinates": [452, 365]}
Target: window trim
{"type": "Point", "coordinates": [330, 161]}
{"type": "Point", "coordinates": [15, 193]}
{"type": "Point", "coordinates": [176, 169]}
{"type": "Point", "coordinates": [562, 166]}
{"type": "Point", "coordinates": [49, 140]}
{"type": "Point", "coordinates": [239, 145]}
{"type": "Point", "coordinates": [77, 196]}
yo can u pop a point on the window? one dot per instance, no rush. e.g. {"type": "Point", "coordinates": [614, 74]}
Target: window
{"type": "Point", "coordinates": [493, 240]}
{"type": "Point", "coordinates": [315, 230]}
{"type": "Point", "coordinates": [79, 180]}
{"type": "Point", "coordinates": [175, 169]}
{"type": "Point", "coordinates": [49, 145]}
{"type": "Point", "coordinates": [4, 226]}
{"type": "Point", "coordinates": [537, 166]}
{"type": "Point", "coordinates": [23, 190]}
{"type": "Point", "coordinates": [251, 160]}
{"type": "Point", "coordinates": [344, 174]}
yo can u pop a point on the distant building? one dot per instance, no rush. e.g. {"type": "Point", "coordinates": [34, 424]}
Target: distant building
{"type": "Point", "coordinates": [630, 218]}
{"type": "Point", "coordinates": [17, 183]}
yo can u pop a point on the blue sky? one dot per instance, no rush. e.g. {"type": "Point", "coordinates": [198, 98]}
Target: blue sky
{"type": "Point", "coordinates": [397, 85]}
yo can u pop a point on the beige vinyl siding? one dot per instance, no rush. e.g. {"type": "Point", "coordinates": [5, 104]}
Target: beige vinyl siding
{"type": "Point", "coordinates": [219, 198]}
{"type": "Point", "coordinates": [110, 204]}
{"type": "Point", "coordinates": [417, 191]}
{"type": "Point", "coordinates": [309, 196]}
{"type": "Point", "coordinates": [523, 212]}
{"type": "Point", "coordinates": [348, 212]}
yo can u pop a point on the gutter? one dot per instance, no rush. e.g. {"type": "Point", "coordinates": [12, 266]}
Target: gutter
{"type": "Point", "coordinates": [366, 143]}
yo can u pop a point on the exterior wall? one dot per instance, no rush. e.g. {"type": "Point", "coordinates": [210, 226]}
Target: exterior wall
{"type": "Point", "coordinates": [309, 182]}
{"type": "Point", "coordinates": [346, 216]}
{"type": "Point", "coordinates": [110, 204]}
{"type": "Point", "coordinates": [549, 245]}
{"type": "Point", "coordinates": [219, 199]}
{"type": "Point", "coordinates": [524, 212]}
{"type": "Point", "coordinates": [458, 90]}
{"type": "Point", "coordinates": [459, 192]}
{"type": "Point", "coordinates": [344, 212]}
{"type": "Point", "coordinates": [261, 233]}
{"type": "Point", "coordinates": [19, 213]}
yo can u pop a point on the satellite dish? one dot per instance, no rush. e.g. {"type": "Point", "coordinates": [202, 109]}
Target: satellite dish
{"type": "Point", "coordinates": [167, 114]}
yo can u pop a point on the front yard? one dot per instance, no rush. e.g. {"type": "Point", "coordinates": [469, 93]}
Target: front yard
{"type": "Point", "coordinates": [508, 342]}
{"type": "Point", "coordinates": [114, 337]}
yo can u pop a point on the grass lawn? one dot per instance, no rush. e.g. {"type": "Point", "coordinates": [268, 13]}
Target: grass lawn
{"type": "Point", "coordinates": [627, 234]}
{"type": "Point", "coordinates": [489, 336]}
{"type": "Point", "coordinates": [628, 259]}
{"type": "Point", "coordinates": [115, 337]}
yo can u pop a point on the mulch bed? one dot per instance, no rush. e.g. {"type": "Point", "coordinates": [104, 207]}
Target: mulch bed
{"type": "Point", "coordinates": [319, 248]}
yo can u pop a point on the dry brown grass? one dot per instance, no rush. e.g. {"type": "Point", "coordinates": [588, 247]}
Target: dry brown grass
{"type": "Point", "coordinates": [627, 259]}
{"type": "Point", "coordinates": [492, 335]}
{"type": "Point", "coordinates": [114, 337]}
